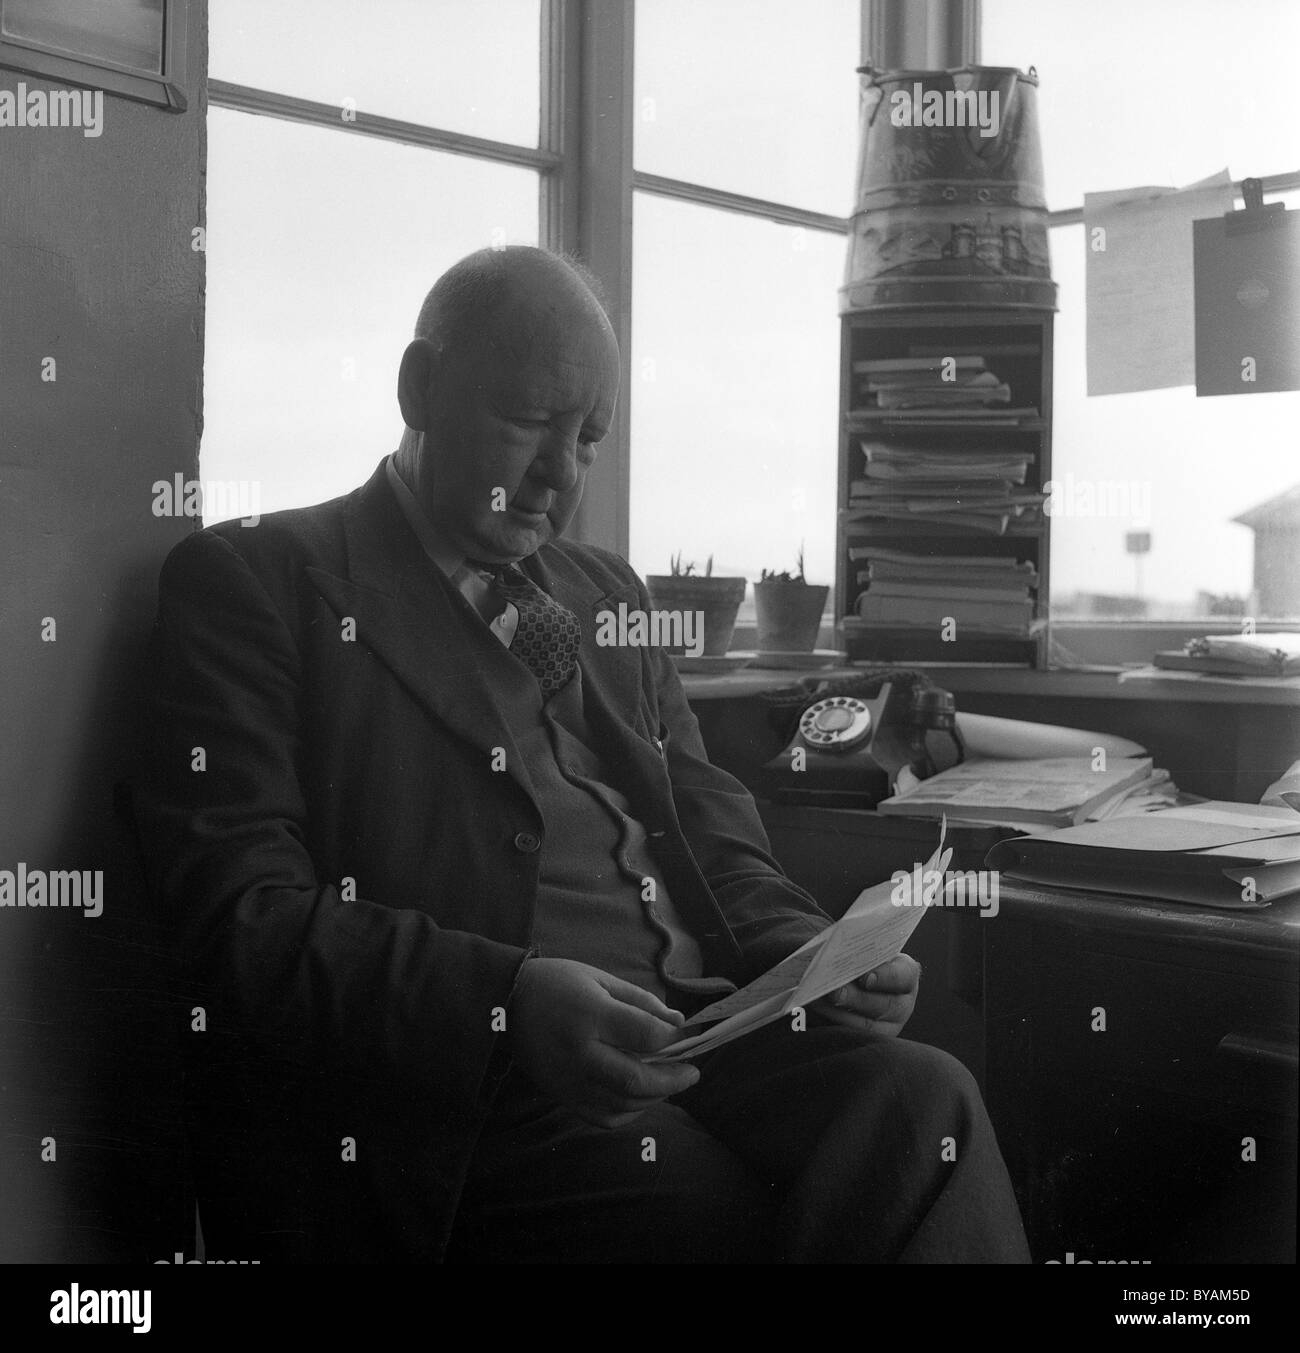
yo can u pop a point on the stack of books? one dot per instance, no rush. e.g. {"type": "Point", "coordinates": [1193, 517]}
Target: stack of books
{"type": "Point", "coordinates": [981, 593]}
{"type": "Point", "coordinates": [949, 489]}
{"type": "Point", "coordinates": [965, 488]}
{"type": "Point", "coordinates": [936, 390]}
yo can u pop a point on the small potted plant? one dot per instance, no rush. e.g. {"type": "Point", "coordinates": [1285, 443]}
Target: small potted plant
{"type": "Point", "coordinates": [685, 590]}
{"type": "Point", "coordinates": [789, 611]}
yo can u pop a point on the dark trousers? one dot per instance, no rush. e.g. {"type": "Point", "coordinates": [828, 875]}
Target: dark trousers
{"type": "Point", "coordinates": [821, 1146]}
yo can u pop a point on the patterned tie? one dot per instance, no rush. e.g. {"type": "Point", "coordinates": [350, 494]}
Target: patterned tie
{"type": "Point", "coordinates": [547, 638]}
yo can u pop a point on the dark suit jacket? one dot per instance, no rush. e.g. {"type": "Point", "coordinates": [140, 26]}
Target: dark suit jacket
{"type": "Point", "coordinates": [352, 883]}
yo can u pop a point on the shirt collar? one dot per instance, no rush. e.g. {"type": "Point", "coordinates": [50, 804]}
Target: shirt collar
{"type": "Point", "coordinates": [436, 546]}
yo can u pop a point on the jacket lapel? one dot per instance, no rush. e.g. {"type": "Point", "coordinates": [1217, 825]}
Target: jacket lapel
{"type": "Point", "coordinates": [612, 679]}
{"type": "Point", "coordinates": [410, 616]}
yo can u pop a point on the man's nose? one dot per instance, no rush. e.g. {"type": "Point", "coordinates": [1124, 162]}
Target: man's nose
{"type": "Point", "coordinates": [557, 462]}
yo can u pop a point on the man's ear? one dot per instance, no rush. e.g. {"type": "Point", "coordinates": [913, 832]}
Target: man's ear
{"type": "Point", "coordinates": [414, 377]}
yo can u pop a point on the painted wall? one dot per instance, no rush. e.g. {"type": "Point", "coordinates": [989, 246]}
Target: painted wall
{"type": "Point", "coordinates": [1277, 569]}
{"type": "Point", "coordinates": [97, 273]}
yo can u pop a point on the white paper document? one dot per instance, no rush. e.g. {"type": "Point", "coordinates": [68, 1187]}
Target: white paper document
{"type": "Point", "coordinates": [1141, 311]}
{"type": "Point", "coordinates": [873, 930]}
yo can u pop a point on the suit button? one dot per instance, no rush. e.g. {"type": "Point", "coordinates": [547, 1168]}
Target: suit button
{"type": "Point", "coordinates": [527, 842]}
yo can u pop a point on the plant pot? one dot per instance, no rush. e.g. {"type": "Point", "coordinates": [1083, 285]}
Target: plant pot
{"type": "Point", "coordinates": [789, 615]}
{"type": "Point", "coordinates": [718, 598]}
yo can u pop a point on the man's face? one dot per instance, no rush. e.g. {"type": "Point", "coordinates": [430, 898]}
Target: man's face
{"type": "Point", "coordinates": [513, 426]}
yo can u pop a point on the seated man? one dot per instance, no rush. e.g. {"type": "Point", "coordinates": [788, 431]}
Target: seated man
{"type": "Point", "coordinates": [444, 871]}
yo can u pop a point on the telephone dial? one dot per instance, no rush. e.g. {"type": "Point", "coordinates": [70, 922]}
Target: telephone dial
{"type": "Point", "coordinates": [850, 738]}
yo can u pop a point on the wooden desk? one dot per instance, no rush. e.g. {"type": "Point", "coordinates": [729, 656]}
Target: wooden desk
{"type": "Point", "coordinates": [1128, 1142]}
{"type": "Point", "coordinates": [1125, 1143]}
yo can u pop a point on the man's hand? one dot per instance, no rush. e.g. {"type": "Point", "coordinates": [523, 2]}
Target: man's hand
{"type": "Point", "coordinates": [576, 1032]}
{"type": "Point", "coordinates": [880, 1001]}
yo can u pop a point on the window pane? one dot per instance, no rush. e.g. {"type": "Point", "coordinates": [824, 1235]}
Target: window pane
{"type": "Point", "coordinates": [1135, 94]}
{"type": "Point", "coordinates": [464, 65]}
{"type": "Point", "coordinates": [128, 32]}
{"type": "Point", "coordinates": [321, 247]}
{"type": "Point", "coordinates": [755, 96]}
{"type": "Point", "coordinates": [1197, 463]}
{"type": "Point", "coordinates": [735, 370]}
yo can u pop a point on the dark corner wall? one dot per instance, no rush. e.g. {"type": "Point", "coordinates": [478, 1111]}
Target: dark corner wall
{"type": "Point", "coordinates": [97, 273]}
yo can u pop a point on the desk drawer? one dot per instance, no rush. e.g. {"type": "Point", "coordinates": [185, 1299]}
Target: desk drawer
{"type": "Point", "coordinates": [1203, 1036]}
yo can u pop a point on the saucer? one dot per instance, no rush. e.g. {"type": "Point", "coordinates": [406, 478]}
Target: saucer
{"type": "Point", "coordinates": [784, 661]}
{"type": "Point", "coordinates": [727, 662]}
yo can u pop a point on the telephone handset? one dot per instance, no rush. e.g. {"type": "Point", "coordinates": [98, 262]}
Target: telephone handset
{"type": "Point", "coordinates": [850, 744]}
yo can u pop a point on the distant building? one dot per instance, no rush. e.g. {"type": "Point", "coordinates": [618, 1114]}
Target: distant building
{"type": "Point", "coordinates": [1276, 525]}
{"type": "Point", "coordinates": [1214, 604]}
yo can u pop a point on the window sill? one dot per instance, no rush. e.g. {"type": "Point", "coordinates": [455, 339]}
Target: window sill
{"type": "Point", "coordinates": [1108, 683]}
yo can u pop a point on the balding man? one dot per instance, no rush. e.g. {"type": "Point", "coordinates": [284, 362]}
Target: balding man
{"type": "Point", "coordinates": [446, 871]}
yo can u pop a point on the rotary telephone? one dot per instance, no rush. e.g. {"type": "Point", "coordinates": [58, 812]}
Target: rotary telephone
{"type": "Point", "coordinates": [849, 738]}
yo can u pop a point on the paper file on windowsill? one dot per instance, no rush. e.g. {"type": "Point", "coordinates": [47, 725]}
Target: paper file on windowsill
{"type": "Point", "coordinates": [873, 930]}
{"type": "Point", "coordinates": [1238, 654]}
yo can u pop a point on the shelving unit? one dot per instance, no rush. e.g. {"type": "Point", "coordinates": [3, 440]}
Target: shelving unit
{"type": "Point", "coordinates": [1017, 347]}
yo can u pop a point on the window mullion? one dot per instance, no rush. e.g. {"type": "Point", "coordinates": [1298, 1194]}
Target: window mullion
{"type": "Point", "coordinates": [560, 129]}
{"type": "Point", "coordinates": [602, 232]}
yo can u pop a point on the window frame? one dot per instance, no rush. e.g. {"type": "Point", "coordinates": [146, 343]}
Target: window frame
{"type": "Point", "coordinates": [587, 179]}
{"type": "Point", "coordinates": [166, 88]}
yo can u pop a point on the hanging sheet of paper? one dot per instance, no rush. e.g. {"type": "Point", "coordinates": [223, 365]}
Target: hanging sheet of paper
{"type": "Point", "coordinates": [1246, 268]}
{"type": "Point", "coordinates": [1141, 309]}
{"type": "Point", "coordinates": [873, 930]}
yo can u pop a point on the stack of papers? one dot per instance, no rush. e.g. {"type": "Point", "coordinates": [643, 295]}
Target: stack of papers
{"type": "Point", "coordinates": [1156, 792]}
{"type": "Point", "coordinates": [982, 593]}
{"type": "Point", "coordinates": [956, 389]}
{"type": "Point", "coordinates": [1058, 790]}
{"type": "Point", "coordinates": [916, 463]}
{"type": "Point", "coordinates": [1214, 854]}
{"type": "Point", "coordinates": [977, 487]}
